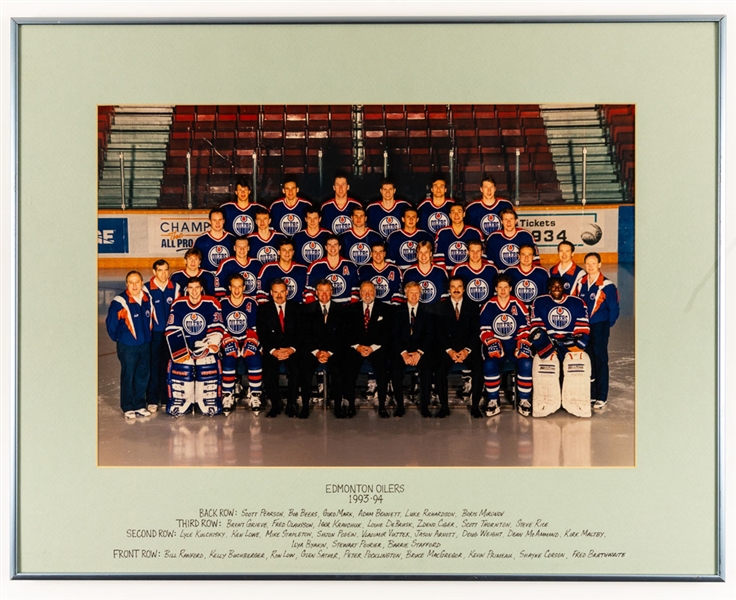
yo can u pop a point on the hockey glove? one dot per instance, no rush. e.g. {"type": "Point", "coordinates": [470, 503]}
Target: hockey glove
{"type": "Point", "coordinates": [494, 349]}
{"type": "Point", "coordinates": [230, 347]}
{"type": "Point", "coordinates": [541, 343]}
{"type": "Point", "coordinates": [523, 349]}
{"type": "Point", "coordinates": [250, 348]}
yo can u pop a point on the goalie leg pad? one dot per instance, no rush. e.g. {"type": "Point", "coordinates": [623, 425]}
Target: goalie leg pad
{"type": "Point", "coordinates": [180, 385]}
{"type": "Point", "coordinates": [492, 377]}
{"type": "Point", "coordinates": [207, 390]}
{"type": "Point", "coordinates": [178, 345]}
{"type": "Point", "coordinates": [255, 372]}
{"type": "Point", "coordinates": [576, 371]}
{"type": "Point", "coordinates": [229, 373]}
{"type": "Point", "coordinates": [546, 384]}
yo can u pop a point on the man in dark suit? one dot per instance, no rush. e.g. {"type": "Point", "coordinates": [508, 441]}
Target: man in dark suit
{"type": "Point", "coordinates": [458, 342]}
{"type": "Point", "coordinates": [277, 324]}
{"type": "Point", "coordinates": [368, 330]}
{"type": "Point", "coordinates": [413, 333]}
{"type": "Point", "coordinates": [323, 343]}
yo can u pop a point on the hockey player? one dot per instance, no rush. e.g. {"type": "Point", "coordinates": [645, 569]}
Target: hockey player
{"type": "Point", "coordinates": [385, 277]}
{"type": "Point", "coordinates": [484, 213]}
{"type": "Point", "coordinates": [129, 322]}
{"type": "Point", "coordinates": [434, 212]}
{"type": "Point", "coordinates": [601, 298]}
{"type": "Point", "coordinates": [240, 215]}
{"type": "Point", "coordinates": [432, 279]}
{"type": "Point", "coordinates": [478, 273]}
{"type": "Point", "coordinates": [194, 332]}
{"type": "Point", "coordinates": [341, 273]}
{"type": "Point", "coordinates": [336, 211]}
{"type": "Point", "coordinates": [504, 330]}
{"type": "Point", "coordinates": [309, 243]}
{"type": "Point", "coordinates": [566, 268]}
{"type": "Point", "coordinates": [288, 214]}
{"type": "Point", "coordinates": [451, 243]}
{"type": "Point", "coordinates": [192, 268]}
{"type": "Point", "coordinates": [293, 275]}
{"type": "Point", "coordinates": [527, 279]}
{"type": "Point", "coordinates": [162, 292]}
{"type": "Point", "coordinates": [384, 216]}
{"type": "Point", "coordinates": [241, 352]}
{"type": "Point", "coordinates": [265, 241]}
{"type": "Point", "coordinates": [502, 247]}
{"type": "Point", "coordinates": [248, 268]}
{"type": "Point", "coordinates": [401, 246]}
{"type": "Point", "coordinates": [217, 244]}
{"type": "Point", "coordinates": [355, 243]}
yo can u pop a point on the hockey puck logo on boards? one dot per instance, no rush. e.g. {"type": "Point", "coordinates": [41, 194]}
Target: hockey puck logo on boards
{"type": "Point", "coordinates": [338, 285]}
{"type": "Point", "coordinates": [510, 255]}
{"type": "Point", "coordinates": [478, 290]}
{"type": "Point", "coordinates": [437, 221]}
{"type": "Point", "coordinates": [237, 322]}
{"type": "Point", "coordinates": [504, 326]}
{"type": "Point", "coordinates": [341, 223]}
{"type": "Point", "coordinates": [193, 323]}
{"type": "Point", "coordinates": [243, 225]}
{"type": "Point", "coordinates": [559, 317]}
{"type": "Point", "coordinates": [458, 252]}
{"type": "Point", "coordinates": [267, 255]}
{"type": "Point", "coordinates": [217, 254]}
{"type": "Point", "coordinates": [408, 251]}
{"type": "Point", "coordinates": [360, 253]}
{"type": "Point", "coordinates": [290, 224]}
{"type": "Point", "coordinates": [291, 288]}
{"type": "Point", "coordinates": [526, 290]}
{"type": "Point", "coordinates": [388, 225]}
{"type": "Point", "coordinates": [490, 223]}
{"type": "Point", "coordinates": [312, 251]}
{"type": "Point", "coordinates": [382, 288]}
{"type": "Point", "coordinates": [251, 282]}
{"type": "Point", "coordinates": [428, 291]}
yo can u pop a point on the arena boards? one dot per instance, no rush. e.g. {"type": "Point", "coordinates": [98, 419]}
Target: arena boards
{"type": "Point", "coordinates": [74, 519]}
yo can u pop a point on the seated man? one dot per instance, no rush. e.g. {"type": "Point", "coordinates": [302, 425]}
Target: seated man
{"type": "Point", "coordinates": [504, 328]}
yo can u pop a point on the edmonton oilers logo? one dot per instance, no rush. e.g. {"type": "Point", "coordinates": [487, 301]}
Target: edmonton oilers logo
{"type": "Point", "coordinates": [341, 223]}
{"type": "Point", "coordinates": [338, 284]}
{"type": "Point", "coordinates": [457, 252]}
{"type": "Point", "coordinates": [267, 254]}
{"type": "Point", "coordinates": [312, 251]}
{"type": "Point", "coordinates": [478, 290]}
{"type": "Point", "coordinates": [217, 254]}
{"type": "Point", "coordinates": [437, 221]}
{"type": "Point", "coordinates": [428, 291]}
{"type": "Point", "coordinates": [408, 251]}
{"type": "Point", "coordinates": [169, 300]}
{"type": "Point", "coordinates": [490, 223]}
{"type": "Point", "coordinates": [193, 323]}
{"type": "Point", "coordinates": [388, 225]}
{"type": "Point", "coordinates": [504, 325]}
{"type": "Point", "coordinates": [237, 322]}
{"type": "Point", "coordinates": [360, 253]}
{"type": "Point", "coordinates": [290, 288]}
{"type": "Point", "coordinates": [559, 317]}
{"type": "Point", "coordinates": [290, 224]}
{"type": "Point", "coordinates": [251, 283]}
{"type": "Point", "coordinates": [525, 290]}
{"type": "Point", "coordinates": [243, 225]}
{"type": "Point", "coordinates": [381, 286]}
{"type": "Point", "coordinates": [510, 255]}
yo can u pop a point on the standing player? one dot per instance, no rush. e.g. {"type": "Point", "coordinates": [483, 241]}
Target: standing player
{"type": "Point", "coordinates": [265, 241]}
{"type": "Point", "coordinates": [248, 268]}
{"type": "Point", "coordinates": [192, 268]}
{"type": "Point", "coordinates": [292, 274]}
{"type": "Point", "coordinates": [341, 273]}
{"type": "Point", "coordinates": [432, 279]}
{"type": "Point", "coordinates": [356, 242]}
{"type": "Point", "coordinates": [309, 243]}
{"type": "Point", "coordinates": [434, 212]}
{"type": "Point", "coordinates": [384, 216]}
{"type": "Point", "coordinates": [385, 277]}
{"type": "Point", "coordinates": [288, 214]}
{"type": "Point", "coordinates": [485, 213]}
{"type": "Point", "coordinates": [502, 247]}
{"type": "Point", "coordinates": [479, 274]}
{"type": "Point", "coordinates": [240, 215]}
{"type": "Point", "coordinates": [241, 352]}
{"type": "Point", "coordinates": [601, 298]}
{"type": "Point", "coordinates": [566, 268]}
{"type": "Point", "coordinates": [336, 211]}
{"type": "Point", "coordinates": [194, 332]}
{"type": "Point", "coordinates": [129, 323]}
{"type": "Point", "coordinates": [217, 244]}
{"type": "Point", "coordinates": [527, 279]}
{"type": "Point", "coordinates": [451, 243]}
{"type": "Point", "coordinates": [401, 246]}
{"type": "Point", "coordinates": [162, 292]}
{"type": "Point", "coordinates": [504, 331]}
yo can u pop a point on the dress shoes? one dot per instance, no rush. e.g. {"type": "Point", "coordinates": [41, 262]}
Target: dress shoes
{"type": "Point", "coordinates": [399, 412]}
{"type": "Point", "coordinates": [383, 413]}
{"type": "Point", "coordinates": [442, 413]}
{"type": "Point", "coordinates": [475, 412]}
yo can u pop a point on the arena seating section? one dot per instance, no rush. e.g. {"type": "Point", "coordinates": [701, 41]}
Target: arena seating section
{"type": "Point", "coordinates": [620, 121]}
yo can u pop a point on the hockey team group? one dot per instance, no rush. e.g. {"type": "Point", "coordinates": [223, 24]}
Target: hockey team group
{"type": "Point", "coordinates": [388, 289]}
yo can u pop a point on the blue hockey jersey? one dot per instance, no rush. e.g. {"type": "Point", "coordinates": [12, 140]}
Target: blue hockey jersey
{"type": "Point", "coordinates": [433, 218]}
{"type": "Point", "coordinates": [289, 220]}
{"type": "Point", "coordinates": [479, 284]}
{"type": "Point", "coordinates": [214, 251]}
{"type": "Point", "coordinates": [435, 285]}
{"type": "Point", "coordinates": [308, 248]}
{"type": "Point", "coordinates": [486, 218]}
{"type": "Point", "coordinates": [161, 300]}
{"type": "Point", "coordinates": [265, 250]}
{"type": "Point", "coordinates": [230, 267]}
{"type": "Point", "coordinates": [344, 279]}
{"type": "Point", "coordinates": [508, 323]}
{"type": "Point", "coordinates": [240, 221]}
{"type": "Point", "coordinates": [451, 249]}
{"type": "Point", "coordinates": [388, 282]}
{"type": "Point", "coordinates": [338, 219]}
{"type": "Point", "coordinates": [357, 248]}
{"type": "Point", "coordinates": [401, 247]}
{"type": "Point", "coordinates": [600, 297]}
{"type": "Point", "coordinates": [504, 250]}
{"type": "Point", "coordinates": [527, 286]}
{"type": "Point", "coordinates": [563, 320]}
{"type": "Point", "coordinates": [295, 279]}
{"type": "Point", "coordinates": [383, 221]}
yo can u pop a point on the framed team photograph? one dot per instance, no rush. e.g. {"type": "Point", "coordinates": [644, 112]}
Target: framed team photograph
{"type": "Point", "coordinates": [368, 306]}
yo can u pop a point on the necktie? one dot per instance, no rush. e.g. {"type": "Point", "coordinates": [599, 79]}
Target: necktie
{"type": "Point", "coordinates": [281, 318]}
{"type": "Point", "coordinates": [457, 312]}
{"type": "Point", "coordinates": [324, 312]}
{"type": "Point", "coordinates": [366, 318]}
{"type": "Point", "coordinates": [411, 322]}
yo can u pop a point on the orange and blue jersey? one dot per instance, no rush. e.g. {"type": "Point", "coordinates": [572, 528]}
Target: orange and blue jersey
{"type": "Point", "coordinates": [357, 248]}
{"type": "Point", "coordinates": [338, 219]}
{"type": "Point", "coordinates": [570, 278]}
{"type": "Point", "coordinates": [240, 221]}
{"type": "Point", "coordinates": [214, 251]}
{"type": "Point", "coordinates": [161, 301]}
{"type": "Point", "coordinates": [401, 247]}
{"type": "Point", "coordinates": [486, 218]}
{"type": "Point", "coordinates": [295, 278]}
{"type": "Point", "coordinates": [249, 271]}
{"type": "Point", "coordinates": [480, 284]}
{"type": "Point", "coordinates": [387, 281]}
{"type": "Point", "coordinates": [129, 322]}
{"type": "Point", "coordinates": [503, 249]}
{"type": "Point", "coordinates": [433, 218]}
{"type": "Point", "coordinates": [265, 250]}
{"type": "Point", "coordinates": [434, 284]}
{"type": "Point", "coordinates": [344, 280]}
{"type": "Point", "coordinates": [289, 220]}
{"type": "Point", "coordinates": [527, 286]}
{"type": "Point", "coordinates": [451, 249]}
{"type": "Point", "coordinates": [508, 324]}
{"type": "Point", "coordinates": [383, 221]}
{"type": "Point", "coordinates": [562, 319]}
{"type": "Point", "coordinates": [600, 297]}
{"type": "Point", "coordinates": [308, 248]}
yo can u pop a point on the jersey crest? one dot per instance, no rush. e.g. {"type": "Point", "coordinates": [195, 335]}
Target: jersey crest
{"type": "Point", "coordinates": [388, 225]}
{"type": "Point", "coordinates": [478, 290]}
{"type": "Point", "coordinates": [526, 290]}
{"type": "Point", "coordinates": [559, 317]}
{"type": "Point", "coordinates": [438, 220]}
{"type": "Point", "coordinates": [250, 283]}
{"type": "Point", "coordinates": [458, 252]}
{"type": "Point", "coordinates": [429, 291]}
{"type": "Point", "coordinates": [217, 254]}
{"type": "Point", "coordinates": [338, 284]}
{"type": "Point", "coordinates": [381, 284]}
{"type": "Point", "coordinates": [341, 223]}
{"type": "Point", "coordinates": [237, 322]}
{"type": "Point", "coordinates": [408, 251]}
{"type": "Point", "coordinates": [504, 325]}
{"type": "Point", "coordinates": [490, 223]}
{"type": "Point", "coordinates": [510, 255]}
{"type": "Point", "coordinates": [193, 323]}
{"type": "Point", "coordinates": [360, 253]}
{"type": "Point", "coordinates": [312, 251]}
{"type": "Point", "coordinates": [291, 288]}
{"type": "Point", "coordinates": [290, 224]}
{"type": "Point", "coordinates": [243, 225]}
{"type": "Point", "coordinates": [267, 254]}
